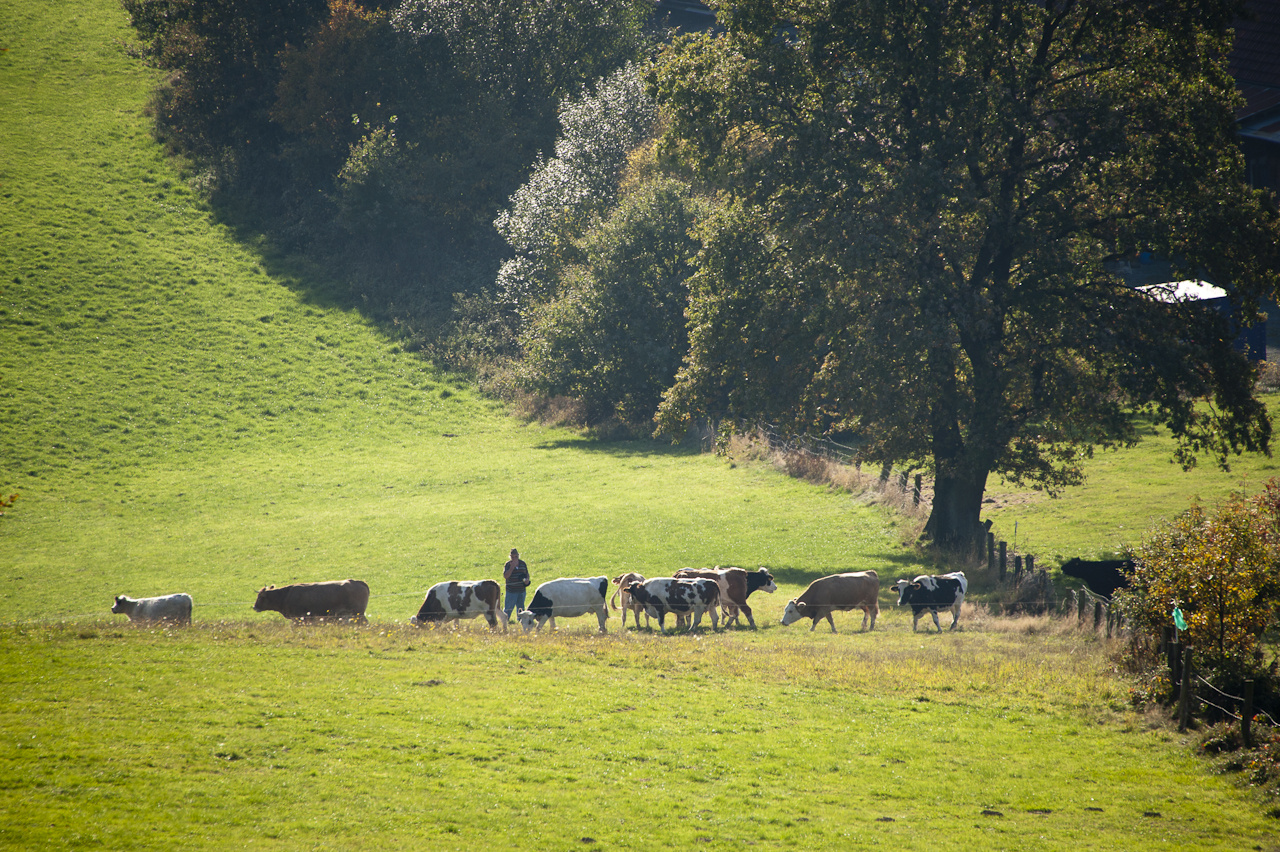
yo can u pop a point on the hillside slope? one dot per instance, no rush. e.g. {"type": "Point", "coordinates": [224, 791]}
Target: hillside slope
{"type": "Point", "coordinates": [186, 410]}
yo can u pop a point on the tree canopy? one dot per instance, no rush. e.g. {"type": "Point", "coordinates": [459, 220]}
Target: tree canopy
{"type": "Point", "coordinates": [923, 205]}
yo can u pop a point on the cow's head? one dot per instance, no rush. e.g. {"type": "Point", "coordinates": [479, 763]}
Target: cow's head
{"type": "Point", "coordinates": [121, 604]}
{"type": "Point", "coordinates": [794, 612]}
{"type": "Point", "coordinates": [902, 586]}
{"type": "Point", "coordinates": [527, 620]}
{"type": "Point", "coordinates": [761, 580]}
{"type": "Point", "coordinates": [265, 594]}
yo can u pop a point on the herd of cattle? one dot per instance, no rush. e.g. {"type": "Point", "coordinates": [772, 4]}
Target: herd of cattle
{"type": "Point", "coordinates": [688, 595]}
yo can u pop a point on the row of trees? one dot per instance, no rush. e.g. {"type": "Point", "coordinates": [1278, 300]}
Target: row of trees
{"type": "Point", "coordinates": [892, 221]}
{"type": "Point", "coordinates": [907, 213]}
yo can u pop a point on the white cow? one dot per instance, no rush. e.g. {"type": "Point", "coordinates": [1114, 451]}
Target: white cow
{"type": "Point", "coordinates": [175, 608]}
{"type": "Point", "coordinates": [567, 597]}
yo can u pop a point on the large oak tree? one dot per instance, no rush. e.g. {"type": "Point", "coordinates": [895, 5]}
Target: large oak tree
{"type": "Point", "coordinates": [924, 205]}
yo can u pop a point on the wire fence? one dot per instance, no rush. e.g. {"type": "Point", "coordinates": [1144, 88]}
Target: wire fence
{"type": "Point", "coordinates": [1229, 697]}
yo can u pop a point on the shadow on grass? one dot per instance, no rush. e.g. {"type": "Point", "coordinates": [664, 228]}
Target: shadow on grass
{"type": "Point", "coordinates": [632, 448]}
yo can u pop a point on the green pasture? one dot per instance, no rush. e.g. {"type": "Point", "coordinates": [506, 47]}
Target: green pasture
{"type": "Point", "coordinates": [185, 408]}
{"type": "Point", "coordinates": [270, 736]}
{"type": "Point", "coordinates": [1126, 492]}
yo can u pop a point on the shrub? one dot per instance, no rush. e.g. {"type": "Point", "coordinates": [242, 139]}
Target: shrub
{"type": "Point", "coordinates": [615, 334]}
{"type": "Point", "coordinates": [1220, 568]}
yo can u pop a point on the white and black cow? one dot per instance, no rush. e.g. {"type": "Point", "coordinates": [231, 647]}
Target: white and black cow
{"type": "Point", "coordinates": [664, 595]}
{"type": "Point", "coordinates": [174, 608]}
{"type": "Point", "coordinates": [453, 600]}
{"type": "Point", "coordinates": [567, 597]}
{"type": "Point", "coordinates": [933, 592]}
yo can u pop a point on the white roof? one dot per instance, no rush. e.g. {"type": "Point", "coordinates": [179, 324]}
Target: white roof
{"type": "Point", "coordinates": [1184, 291]}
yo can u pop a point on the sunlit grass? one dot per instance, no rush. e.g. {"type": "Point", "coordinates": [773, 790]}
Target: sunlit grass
{"type": "Point", "coordinates": [187, 410]}
{"type": "Point", "coordinates": [249, 732]}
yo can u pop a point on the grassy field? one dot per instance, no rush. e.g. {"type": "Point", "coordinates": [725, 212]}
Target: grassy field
{"type": "Point", "coordinates": [1126, 493]}
{"type": "Point", "coordinates": [186, 410]}
{"type": "Point", "coordinates": [279, 737]}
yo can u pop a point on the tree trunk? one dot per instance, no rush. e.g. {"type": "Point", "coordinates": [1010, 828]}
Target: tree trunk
{"type": "Point", "coordinates": [957, 506]}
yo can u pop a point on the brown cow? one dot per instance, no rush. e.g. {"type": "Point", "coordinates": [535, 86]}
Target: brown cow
{"type": "Point", "coordinates": [825, 595]}
{"type": "Point", "coordinates": [628, 603]}
{"type": "Point", "coordinates": [735, 585]}
{"type": "Point", "coordinates": [305, 601]}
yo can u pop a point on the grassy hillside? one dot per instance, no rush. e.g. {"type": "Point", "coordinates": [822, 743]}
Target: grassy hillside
{"type": "Point", "coordinates": [183, 409]}
{"type": "Point", "coordinates": [1126, 493]}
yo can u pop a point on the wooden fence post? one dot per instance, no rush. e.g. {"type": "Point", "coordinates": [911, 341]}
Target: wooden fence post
{"type": "Point", "coordinates": [1173, 652]}
{"type": "Point", "coordinates": [991, 552]}
{"type": "Point", "coordinates": [1004, 559]}
{"type": "Point", "coordinates": [1246, 714]}
{"type": "Point", "coordinates": [1097, 615]}
{"type": "Point", "coordinates": [1184, 694]}
{"type": "Point", "coordinates": [915, 494]}
{"type": "Point", "coordinates": [1017, 568]}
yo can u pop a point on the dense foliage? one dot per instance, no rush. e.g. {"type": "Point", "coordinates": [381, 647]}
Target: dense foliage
{"type": "Point", "coordinates": [385, 135]}
{"type": "Point", "coordinates": [924, 199]}
{"type": "Point", "coordinates": [1221, 568]}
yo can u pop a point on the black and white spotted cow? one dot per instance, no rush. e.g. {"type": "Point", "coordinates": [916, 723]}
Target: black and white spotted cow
{"type": "Point", "coordinates": [664, 595]}
{"type": "Point", "coordinates": [567, 597]}
{"type": "Point", "coordinates": [933, 592]}
{"type": "Point", "coordinates": [454, 600]}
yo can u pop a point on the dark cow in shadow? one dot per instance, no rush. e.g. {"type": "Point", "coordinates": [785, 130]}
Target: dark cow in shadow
{"type": "Point", "coordinates": [1102, 576]}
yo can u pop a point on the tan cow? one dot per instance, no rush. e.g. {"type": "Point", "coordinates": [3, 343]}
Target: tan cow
{"type": "Point", "coordinates": [825, 595]}
{"type": "Point", "coordinates": [622, 581]}
{"type": "Point", "coordinates": [305, 601]}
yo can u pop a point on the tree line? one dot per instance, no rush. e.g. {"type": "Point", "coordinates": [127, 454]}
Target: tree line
{"type": "Point", "coordinates": [896, 223]}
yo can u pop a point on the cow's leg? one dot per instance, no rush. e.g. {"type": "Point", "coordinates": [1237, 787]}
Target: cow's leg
{"type": "Point", "coordinates": [626, 605]}
{"type": "Point", "coordinates": [934, 613]}
{"type": "Point", "coordinates": [955, 616]}
{"type": "Point", "coordinates": [602, 616]}
{"type": "Point", "coordinates": [875, 611]}
{"type": "Point", "coordinates": [866, 613]}
{"type": "Point", "coordinates": [746, 610]}
{"type": "Point", "coordinates": [915, 620]}
{"type": "Point", "coordinates": [831, 620]}
{"type": "Point", "coordinates": [715, 625]}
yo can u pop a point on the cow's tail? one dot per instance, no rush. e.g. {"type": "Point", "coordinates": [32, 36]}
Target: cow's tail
{"type": "Point", "coordinates": [613, 601]}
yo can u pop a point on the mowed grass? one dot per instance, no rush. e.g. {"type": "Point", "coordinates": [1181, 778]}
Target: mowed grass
{"type": "Point", "coordinates": [273, 736]}
{"type": "Point", "coordinates": [186, 410]}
